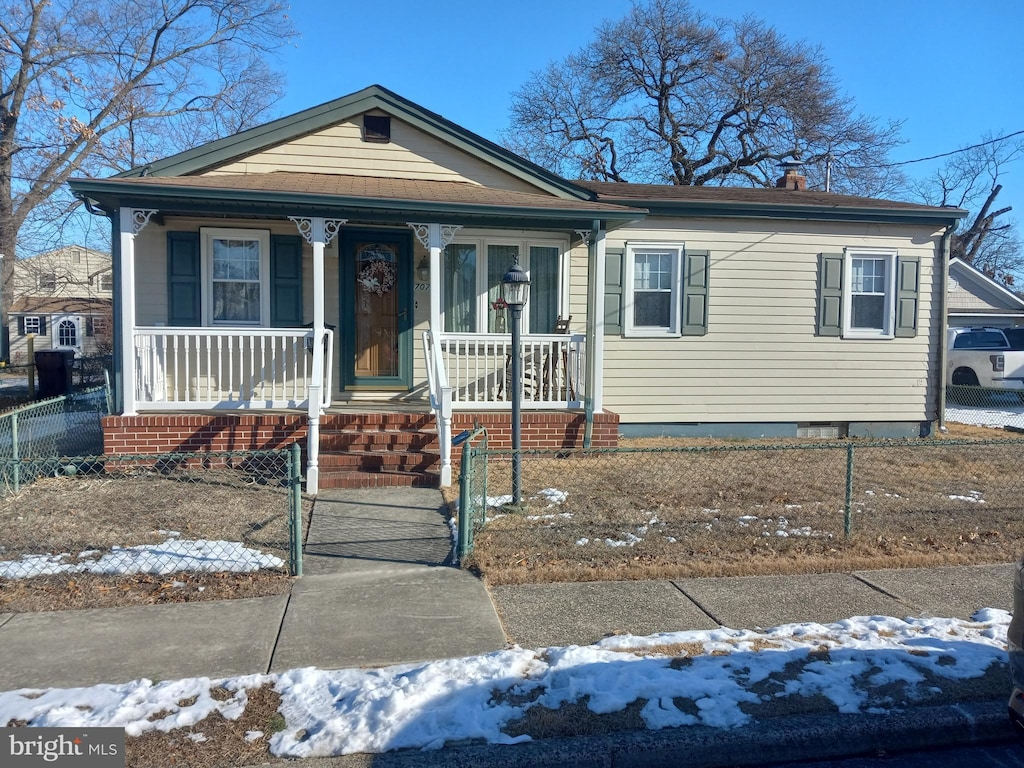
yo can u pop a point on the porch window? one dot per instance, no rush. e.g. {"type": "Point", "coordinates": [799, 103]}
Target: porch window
{"type": "Point", "coordinates": [67, 333]}
{"type": "Point", "coordinates": [471, 287]}
{"type": "Point", "coordinates": [459, 291]}
{"type": "Point", "coordinates": [236, 265]}
{"type": "Point", "coordinates": [33, 324]}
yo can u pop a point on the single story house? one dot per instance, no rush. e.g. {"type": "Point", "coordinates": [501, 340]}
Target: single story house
{"type": "Point", "coordinates": [975, 299]}
{"type": "Point", "coordinates": [62, 299]}
{"type": "Point", "coordinates": [338, 271]}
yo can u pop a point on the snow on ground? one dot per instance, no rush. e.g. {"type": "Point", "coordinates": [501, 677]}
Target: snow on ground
{"type": "Point", "coordinates": [426, 705]}
{"type": "Point", "coordinates": [172, 556]}
{"type": "Point", "coordinates": [1003, 409]}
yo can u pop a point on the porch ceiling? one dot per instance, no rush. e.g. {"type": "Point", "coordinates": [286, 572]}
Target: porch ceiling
{"type": "Point", "coordinates": [282, 193]}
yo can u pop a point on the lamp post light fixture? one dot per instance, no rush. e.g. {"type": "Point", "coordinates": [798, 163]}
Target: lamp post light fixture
{"type": "Point", "coordinates": [515, 289]}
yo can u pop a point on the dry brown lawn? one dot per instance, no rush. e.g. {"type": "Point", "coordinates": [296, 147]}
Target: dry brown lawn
{"type": "Point", "coordinates": [94, 513]}
{"type": "Point", "coordinates": [755, 507]}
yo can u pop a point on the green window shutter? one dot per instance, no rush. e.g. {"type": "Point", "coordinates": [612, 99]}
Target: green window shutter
{"type": "Point", "coordinates": [614, 259]}
{"type": "Point", "coordinates": [183, 279]}
{"type": "Point", "coordinates": [285, 281]}
{"type": "Point", "coordinates": [908, 271]}
{"type": "Point", "coordinates": [830, 294]}
{"type": "Point", "coordinates": [695, 293]}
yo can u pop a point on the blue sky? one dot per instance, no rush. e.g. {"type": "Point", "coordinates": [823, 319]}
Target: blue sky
{"type": "Point", "coordinates": [950, 70]}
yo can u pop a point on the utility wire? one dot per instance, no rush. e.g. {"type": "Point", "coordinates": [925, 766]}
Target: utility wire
{"type": "Point", "coordinates": [943, 154]}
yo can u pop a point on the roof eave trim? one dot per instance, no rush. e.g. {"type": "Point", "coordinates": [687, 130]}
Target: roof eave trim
{"type": "Point", "coordinates": [121, 191]}
{"type": "Point", "coordinates": [783, 211]}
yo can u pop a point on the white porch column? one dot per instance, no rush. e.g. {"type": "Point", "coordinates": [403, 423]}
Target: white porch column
{"type": "Point", "coordinates": [435, 238]}
{"type": "Point", "coordinates": [131, 222]}
{"type": "Point", "coordinates": [318, 232]}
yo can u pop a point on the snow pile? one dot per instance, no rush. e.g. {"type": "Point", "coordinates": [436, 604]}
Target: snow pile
{"type": "Point", "coordinates": [995, 417]}
{"type": "Point", "coordinates": [426, 705]}
{"type": "Point", "coordinates": [972, 497]}
{"type": "Point", "coordinates": [172, 556]}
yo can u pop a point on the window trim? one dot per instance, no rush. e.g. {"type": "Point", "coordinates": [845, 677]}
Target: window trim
{"type": "Point", "coordinates": [206, 237]}
{"type": "Point", "coordinates": [106, 281]}
{"type": "Point", "coordinates": [37, 320]}
{"type": "Point", "coordinates": [888, 331]}
{"type": "Point", "coordinates": [677, 251]}
{"type": "Point", "coordinates": [481, 243]}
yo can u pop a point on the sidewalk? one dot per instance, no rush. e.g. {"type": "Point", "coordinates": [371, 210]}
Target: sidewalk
{"type": "Point", "coordinates": [380, 590]}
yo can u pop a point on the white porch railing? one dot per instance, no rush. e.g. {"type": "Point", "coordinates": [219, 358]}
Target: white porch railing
{"type": "Point", "coordinates": [479, 370]}
{"type": "Point", "coordinates": [440, 401]}
{"type": "Point", "coordinates": [207, 368]}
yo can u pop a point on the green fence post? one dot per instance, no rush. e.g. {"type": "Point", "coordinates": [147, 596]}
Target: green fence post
{"type": "Point", "coordinates": [15, 454]}
{"type": "Point", "coordinates": [847, 507]}
{"type": "Point", "coordinates": [295, 508]}
{"type": "Point", "coordinates": [465, 519]}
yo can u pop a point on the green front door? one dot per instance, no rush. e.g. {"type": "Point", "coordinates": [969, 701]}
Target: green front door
{"type": "Point", "coordinates": [376, 309]}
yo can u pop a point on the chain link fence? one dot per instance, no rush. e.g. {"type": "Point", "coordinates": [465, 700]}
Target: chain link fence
{"type": "Point", "coordinates": [586, 510]}
{"type": "Point", "coordinates": [472, 490]}
{"type": "Point", "coordinates": [237, 512]}
{"type": "Point", "coordinates": [998, 408]}
{"type": "Point", "coordinates": [69, 425]}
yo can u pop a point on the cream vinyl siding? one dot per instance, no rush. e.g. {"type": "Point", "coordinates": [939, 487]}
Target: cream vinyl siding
{"type": "Point", "coordinates": [761, 360]}
{"type": "Point", "coordinates": [411, 154]}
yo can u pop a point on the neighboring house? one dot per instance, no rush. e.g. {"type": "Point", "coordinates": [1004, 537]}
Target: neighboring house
{"type": "Point", "coordinates": [63, 299]}
{"type": "Point", "coordinates": [975, 299]}
{"type": "Point", "coordinates": [693, 310]}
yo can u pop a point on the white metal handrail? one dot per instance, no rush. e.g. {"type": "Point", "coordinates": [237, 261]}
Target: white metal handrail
{"type": "Point", "coordinates": [440, 401]}
{"type": "Point", "coordinates": [204, 368]}
{"type": "Point", "coordinates": [478, 367]}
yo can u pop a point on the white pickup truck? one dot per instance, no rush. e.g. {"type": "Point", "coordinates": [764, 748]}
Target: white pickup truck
{"type": "Point", "coordinates": [985, 357]}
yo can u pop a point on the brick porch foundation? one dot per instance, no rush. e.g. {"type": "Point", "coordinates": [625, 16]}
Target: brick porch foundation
{"type": "Point", "coordinates": [164, 433]}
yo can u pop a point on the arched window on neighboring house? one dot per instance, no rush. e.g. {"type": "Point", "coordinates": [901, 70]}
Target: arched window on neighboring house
{"type": "Point", "coordinates": [67, 333]}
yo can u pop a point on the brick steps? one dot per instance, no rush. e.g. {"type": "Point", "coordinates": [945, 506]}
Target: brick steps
{"type": "Point", "coordinates": [378, 450]}
{"type": "Point", "coordinates": [388, 479]}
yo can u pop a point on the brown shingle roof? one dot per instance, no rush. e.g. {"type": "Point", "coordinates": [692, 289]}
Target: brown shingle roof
{"type": "Point", "coordinates": [59, 304]}
{"type": "Point", "coordinates": [374, 187]}
{"type": "Point", "coordinates": [626, 192]}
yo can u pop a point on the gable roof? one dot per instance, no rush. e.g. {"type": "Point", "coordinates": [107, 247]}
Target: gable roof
{"type": "Point", "coordinates": [667, 199]}
{"type": "Point", "coordinates": [310, 120]}
{"type": "Point", "coordinates": [984, 287]}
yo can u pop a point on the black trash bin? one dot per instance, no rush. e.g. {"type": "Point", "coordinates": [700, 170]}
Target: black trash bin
{"type": "Point", "coordinates": [54, 368]}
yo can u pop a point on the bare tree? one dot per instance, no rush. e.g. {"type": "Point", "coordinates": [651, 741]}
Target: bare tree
{"type": "Point", "coordinates": [670, 95]}
{"type": "Point", "coordinates": [94, 87]}
{"type": "Point", "coordinates": [971, 179]}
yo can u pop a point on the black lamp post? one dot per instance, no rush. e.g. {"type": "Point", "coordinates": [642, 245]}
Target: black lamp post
{"type": "Point", "coordinates": [515, 288]}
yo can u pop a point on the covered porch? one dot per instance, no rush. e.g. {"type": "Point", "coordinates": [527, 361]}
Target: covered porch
{"type": "Point", "coordinates": [432, 355]}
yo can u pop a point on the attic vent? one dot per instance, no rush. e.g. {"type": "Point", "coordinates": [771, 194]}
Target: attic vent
{"type": "Point", "coordinates": [377, 128]}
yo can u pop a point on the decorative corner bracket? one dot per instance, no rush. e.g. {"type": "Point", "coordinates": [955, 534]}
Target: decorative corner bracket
{"type": "Point", "coordinates": [305, 227]}
{"type": "Point", "coordinates": [584, 235]}
{"type": "Point", "coordinates": [422, 232]}
{"type": "Point", "coordinates": [331, 228]}
{"type": "Point", "coordinates": [448, 233]}
{"type": "Point", "coordinates": [140, 218]}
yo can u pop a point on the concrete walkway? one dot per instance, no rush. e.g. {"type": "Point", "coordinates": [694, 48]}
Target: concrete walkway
{"type": "Point", "coordinates": [380, 589]}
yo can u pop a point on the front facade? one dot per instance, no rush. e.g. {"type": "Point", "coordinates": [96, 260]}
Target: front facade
{"type": "Point", "coordinates": [350, 258]}
{"type": "Point", "coordinates": [62, 299]}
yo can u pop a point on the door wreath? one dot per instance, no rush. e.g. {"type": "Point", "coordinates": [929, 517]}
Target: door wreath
{"type": "Point", "coordinates": [377, 277]}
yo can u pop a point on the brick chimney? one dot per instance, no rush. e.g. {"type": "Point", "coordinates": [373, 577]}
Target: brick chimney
{"type": "Point", "coordinates": [791, 177]}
